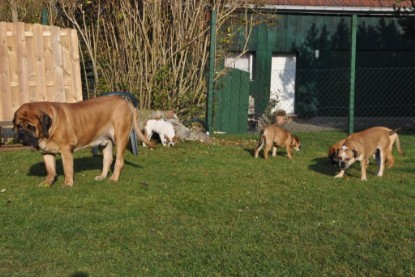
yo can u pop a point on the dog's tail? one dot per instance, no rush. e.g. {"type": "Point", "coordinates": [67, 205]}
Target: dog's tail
{"type": "Point", "coordinates": [394, 131]}
{"type": "Point", "coordinates": [395, 138]}
{"type": "Point", "coordinates": [137, 129]}
{"type": "Point", "coordinates": [398, 145]}
{"type": "Point", "coordinates": [261, 143]}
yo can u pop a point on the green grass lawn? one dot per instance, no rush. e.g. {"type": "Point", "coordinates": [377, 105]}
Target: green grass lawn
{"type": "Point", "coordinates": [209, 210]}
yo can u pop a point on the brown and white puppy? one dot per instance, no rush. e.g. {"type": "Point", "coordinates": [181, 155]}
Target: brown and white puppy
{"type": "Point", "coordinates": [54, 127]}
{"type": "Point", "coordinates": [360, 146]}
{"type": "Point", "coordinates": [273, 137]}
{"type": "Point", "coordinates": [332, 153]}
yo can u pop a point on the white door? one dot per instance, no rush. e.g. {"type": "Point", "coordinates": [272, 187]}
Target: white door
{"type": "Point", "coordinates": [283, 81]}
{"type": "Point", "coordinates": [242, 62]}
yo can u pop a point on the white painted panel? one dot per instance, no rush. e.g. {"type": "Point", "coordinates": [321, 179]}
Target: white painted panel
{"type": "Point", "coordinates": [242, 62]}
{"type": "Point", "coordinates": [283, 69]}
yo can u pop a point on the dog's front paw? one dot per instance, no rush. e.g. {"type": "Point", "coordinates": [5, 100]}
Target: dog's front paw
{"type": "Point", "coordinates": [340, 175]}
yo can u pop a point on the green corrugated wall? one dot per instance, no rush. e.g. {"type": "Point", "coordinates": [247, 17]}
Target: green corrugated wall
{"type": "Point", "coordinates": [380, 43]}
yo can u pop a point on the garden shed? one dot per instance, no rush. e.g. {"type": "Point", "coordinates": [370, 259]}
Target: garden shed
{"type": "Point", "coordinates": [304, 60]}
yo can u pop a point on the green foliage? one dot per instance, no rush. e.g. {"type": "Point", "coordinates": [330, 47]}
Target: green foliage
{"type": "Point", "coordinates": [163, 88]}
{"type": "Point", "coordinates": [201, 210]}
{"type": "Point", "coordinates": [28, 11]}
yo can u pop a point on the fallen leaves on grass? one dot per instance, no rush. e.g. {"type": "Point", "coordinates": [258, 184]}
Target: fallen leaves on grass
{"type": "Point", "coordinates": [234, 142]}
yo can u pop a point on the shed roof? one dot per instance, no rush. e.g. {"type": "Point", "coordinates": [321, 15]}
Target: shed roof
{"type": "Point", "coordinates": [343, 3]}
{"type": "Point", "coordinates": [341, 6]}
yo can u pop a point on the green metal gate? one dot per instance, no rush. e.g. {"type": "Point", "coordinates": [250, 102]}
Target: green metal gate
{"type": "Point", "coordinates": [231, 102]}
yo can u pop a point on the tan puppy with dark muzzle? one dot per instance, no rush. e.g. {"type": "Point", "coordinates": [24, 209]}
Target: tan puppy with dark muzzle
{"type": "Point", "coordinates": [53, 127]}
{"type": "Point", "coordinates": [273, 137]}
{"type": "Point", "coordinates": [360, 146]}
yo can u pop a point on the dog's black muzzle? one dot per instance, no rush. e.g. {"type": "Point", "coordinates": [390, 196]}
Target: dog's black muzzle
{"type": "Point", "coordinates": [25, 137]}
{"type": "Point", "coordinates": [333, 160]}
{"type": "Point", "coordinates": [343, 165]}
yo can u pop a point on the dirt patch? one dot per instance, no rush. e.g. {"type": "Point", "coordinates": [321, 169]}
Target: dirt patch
{"type": "Point", "coordinates": [13, 147]}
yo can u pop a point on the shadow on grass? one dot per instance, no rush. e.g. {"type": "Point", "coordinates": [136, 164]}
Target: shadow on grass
{"type": "Point", "coordinates": [80, 164]}
{"type": "Point", "coordinates": [280, 153]}
{"type": "Point", "coordinates": [250, 151]}
{"type": "Point", "coordinates": [322, 165]}
{"type": "Point", "coordinates": [79, 274]}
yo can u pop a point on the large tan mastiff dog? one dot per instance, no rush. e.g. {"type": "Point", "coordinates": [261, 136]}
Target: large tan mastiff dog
{"type": "Point", "coordinates": [362, 145]}
{"type": "Point", "coordinates": [53, 127]}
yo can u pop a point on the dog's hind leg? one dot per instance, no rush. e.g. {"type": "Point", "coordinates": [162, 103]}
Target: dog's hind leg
{"type": "Point", "coordinates": [121, 145]}
{"type": "Point", "coordinates": [381, 160]}
{"type": "Point", "coordinates": [268, 147]}
{"type": "Point", "coordinates": [107, 161]}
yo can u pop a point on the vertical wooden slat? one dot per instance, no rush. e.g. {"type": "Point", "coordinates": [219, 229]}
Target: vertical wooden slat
{"type": "Point", "coordinates": [13, 66]}
{"type": "Point", "coordinates": [49, 73]}
{"type": "Point", "coordinates": [57, 63]}
{"type": "Point", "coordinates": [76, 66]}
{"type": "Point", "coordinates": [22, 63]}
{"type": "Point", "coordinates": [31, 65]}
{"type": "Point", "coordinates": [39, 55]}
{"type": "Point", "coordinates": [66, 65]}
{"type": "Point", "coordinates": [6, 99]}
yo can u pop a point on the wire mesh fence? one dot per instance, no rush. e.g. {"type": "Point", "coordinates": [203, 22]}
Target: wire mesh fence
{"type": "Point", "coordinates": [321, 99]}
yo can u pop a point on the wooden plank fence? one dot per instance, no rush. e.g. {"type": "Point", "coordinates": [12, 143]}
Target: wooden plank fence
{"type": "Point", "coordinates": [37, 63]}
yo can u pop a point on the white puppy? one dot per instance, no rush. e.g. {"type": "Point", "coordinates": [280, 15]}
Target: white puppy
{"type": "Point", "coordinates": [163, 128]}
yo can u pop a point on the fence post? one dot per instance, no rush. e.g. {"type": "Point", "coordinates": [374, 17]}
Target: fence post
{"type": "Point", "coordinates": [44, 16]}
{"type": "Point", "coordinates": [211, 74]}
{"type": "Point", "coordinates": [352, 73]}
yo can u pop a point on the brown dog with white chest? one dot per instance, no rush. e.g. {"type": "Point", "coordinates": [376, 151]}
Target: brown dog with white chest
{"type": "Point", "coordinates": [274, 137]}
{"type": "Point", "coordinates": [360, 146]}
{"type": "Point", "coordinates": [332, 153]}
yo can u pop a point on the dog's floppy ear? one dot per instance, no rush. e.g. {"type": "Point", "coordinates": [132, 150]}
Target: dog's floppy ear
{"type": "Point", "coordinates": [355, 153]}
{"type": "Point", "coordinates": [45, 123]}
{"type": "Point", "coordinates": [296, 140]}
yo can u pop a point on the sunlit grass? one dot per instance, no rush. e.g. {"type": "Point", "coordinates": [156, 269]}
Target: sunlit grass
{"type": "Point", "coordinates": [201, 210]}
